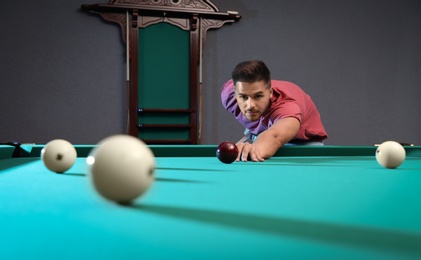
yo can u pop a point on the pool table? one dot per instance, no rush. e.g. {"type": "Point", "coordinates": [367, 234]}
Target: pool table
{"type": "Point", "coordinates": [331, 202]}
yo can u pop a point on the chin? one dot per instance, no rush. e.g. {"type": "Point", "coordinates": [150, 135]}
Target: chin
{"type": "Point", "coordinates": [252, 118]}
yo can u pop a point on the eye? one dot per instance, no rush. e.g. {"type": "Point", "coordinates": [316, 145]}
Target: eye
{"type": "Point", "coordinates": [243, 97]}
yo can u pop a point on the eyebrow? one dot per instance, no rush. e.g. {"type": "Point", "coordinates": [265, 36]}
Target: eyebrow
{"type": "Point", "coordinates": [257, 93]}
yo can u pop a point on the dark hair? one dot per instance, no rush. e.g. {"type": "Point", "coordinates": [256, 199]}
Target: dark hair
{"type": "Point", "coordinates": [251, 71]}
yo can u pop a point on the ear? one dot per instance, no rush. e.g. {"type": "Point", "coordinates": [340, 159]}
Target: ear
{"type": "Point", "coordinates": [270, 92]}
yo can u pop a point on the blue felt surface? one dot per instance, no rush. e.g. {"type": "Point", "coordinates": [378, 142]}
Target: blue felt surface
{"type": "Point", "coordinates": [295, 207]}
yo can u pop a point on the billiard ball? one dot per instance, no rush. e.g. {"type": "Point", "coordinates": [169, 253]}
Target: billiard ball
{"type": "Point", "coordinates": [58, 155]}
{"type": "Point", "coordinates": [121, 168]}
{"type": "Point", "coordinates": [227, 152]}
{"type": "Point", "coordinates": [390, 154]}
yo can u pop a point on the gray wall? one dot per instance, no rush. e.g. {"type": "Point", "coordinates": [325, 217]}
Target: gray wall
{"type": "Point", "coordinates": [63, 70]}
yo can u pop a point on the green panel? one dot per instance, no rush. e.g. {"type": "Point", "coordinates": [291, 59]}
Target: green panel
{"type": "Point", "coordinates": [164, 133]}
{"type": "Point", "coordinates": [164, 67]}
{"type": "Point", "coordinates": [164, 118]}
{"type": "Point", "coordinates": [164, 79]}
{"type": "Point", "coordinates": [6, 151]}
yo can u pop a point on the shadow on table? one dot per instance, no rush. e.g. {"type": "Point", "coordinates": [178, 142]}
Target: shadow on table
{"type": "Point", "coordinates": [371, 238]}
{"type": "Point", "coordinates": [160, 179]}
{"type": "Point", "coordinates": [190, 169]}
{"type": "Point", "coordinates": [16, 162]}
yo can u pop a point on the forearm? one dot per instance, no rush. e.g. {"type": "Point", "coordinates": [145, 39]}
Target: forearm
{"type": "Point", "coordinates": [267, 145]}
{"type": "Point", "coordinates": [269, 141]}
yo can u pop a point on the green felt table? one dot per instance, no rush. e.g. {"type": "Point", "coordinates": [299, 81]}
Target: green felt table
{"type": "Point", "coordinates": [332, 202]}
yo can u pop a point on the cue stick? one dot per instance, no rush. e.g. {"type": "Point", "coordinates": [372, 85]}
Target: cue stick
{"type": "Point", "coordinates": [200, 80]}
{"type": "Point", "coordinates": [127, 72]}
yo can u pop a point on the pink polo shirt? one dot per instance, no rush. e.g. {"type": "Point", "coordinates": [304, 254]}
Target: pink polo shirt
{"type": "Point", "coordinates": [288, 100]}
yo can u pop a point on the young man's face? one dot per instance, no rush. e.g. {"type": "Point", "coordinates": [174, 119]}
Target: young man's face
{"type": "Point", "coordinates": [253, 98]}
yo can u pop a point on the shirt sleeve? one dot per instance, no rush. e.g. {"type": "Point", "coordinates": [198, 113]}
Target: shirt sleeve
{"type": "Point", "coordinates": [227, 97]}
{"type": "Point", "coordinates": [286, 109]}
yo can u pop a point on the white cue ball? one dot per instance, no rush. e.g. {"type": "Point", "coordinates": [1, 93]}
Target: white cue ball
{"type": "Point", "coordinates": [122, 168]}
{"type": "Point", "coordinates": [58, 155]}
{"type": "Point", "coordinates": [390, 154]}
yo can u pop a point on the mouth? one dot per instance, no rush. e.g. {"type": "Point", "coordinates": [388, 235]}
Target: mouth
{"type": "Point", "coordinates": [252, 113]}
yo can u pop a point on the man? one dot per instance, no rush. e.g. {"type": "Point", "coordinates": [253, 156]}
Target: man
{"type": "Point", "coordinates": [275, 113]}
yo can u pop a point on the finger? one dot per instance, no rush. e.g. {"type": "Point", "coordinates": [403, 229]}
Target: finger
{"type": "Point", "coordinates": [255, 156]}
{"type": "Point", "coordinates": [240, 147]}
{"type": "Point", "coordinates": [246, 151]}
{"type": "Point", "coordinates": [260, 159]}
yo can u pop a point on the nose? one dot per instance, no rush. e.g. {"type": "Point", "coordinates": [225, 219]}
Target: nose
{"type": "Point", "coordinates": [249, 104]}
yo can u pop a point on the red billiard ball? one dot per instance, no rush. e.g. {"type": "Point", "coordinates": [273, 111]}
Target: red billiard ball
{"type": "Point", "coordinates": [227, 152]}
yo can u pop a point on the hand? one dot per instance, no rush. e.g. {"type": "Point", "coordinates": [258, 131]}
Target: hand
{"type": "Point", "coordinates": [247, 151]}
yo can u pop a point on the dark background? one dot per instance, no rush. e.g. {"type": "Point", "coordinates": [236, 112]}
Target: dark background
{"type": "Point", "coordinates": [63, 69]}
